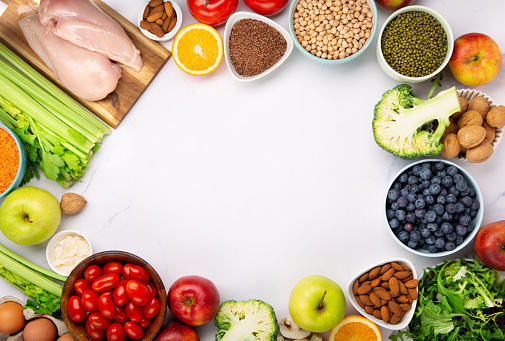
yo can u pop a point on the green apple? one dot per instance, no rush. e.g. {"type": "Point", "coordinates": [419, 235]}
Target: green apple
{"type": "Point", "coordinates": [29, 215]}
{"type": "Point", "coordinates": [317, 303]}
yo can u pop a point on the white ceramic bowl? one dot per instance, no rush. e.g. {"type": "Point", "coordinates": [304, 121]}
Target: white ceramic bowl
{"type": "Point", "coordinates": [477, 220]}
{"type": "Point", "coordinates": [168, 35]}
{"type": "Point", "coordinates": [51, 245]}
{"type": "Point", "coordinates": [226, 41]}
{"type": "Point", "coordinates": [399, 77]}
{"type": "Point", "coordinates": [408, 315]}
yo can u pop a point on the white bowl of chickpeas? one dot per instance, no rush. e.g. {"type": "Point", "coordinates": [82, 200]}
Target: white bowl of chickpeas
{"type": "Point", "coordinates": [332, 31]}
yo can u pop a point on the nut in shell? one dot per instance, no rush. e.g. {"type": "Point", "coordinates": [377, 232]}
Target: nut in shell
{"type": "Point", "coordinates": [72, 203]}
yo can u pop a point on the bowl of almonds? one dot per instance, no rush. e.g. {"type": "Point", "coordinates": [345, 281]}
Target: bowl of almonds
{"type": "Point", "coordinates": [160, 20]}
{"type": "Point", "coordinates": [386, 293]}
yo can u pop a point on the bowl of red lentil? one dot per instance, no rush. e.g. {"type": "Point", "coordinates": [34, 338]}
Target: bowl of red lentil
{"type": "Point", "coordinates": [332, 31]}
{"type": "Point", "coordinates": [12, 160]}
{"type": "Point", "coordinates": [254, 45]}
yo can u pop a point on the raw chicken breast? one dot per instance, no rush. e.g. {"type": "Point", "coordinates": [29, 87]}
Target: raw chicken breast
{"type": "Point", "coordinates": [83, 23]}
{"type": "Point", "coordinates": [89, 75]}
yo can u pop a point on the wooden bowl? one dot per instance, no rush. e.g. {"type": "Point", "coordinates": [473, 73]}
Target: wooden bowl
{"type": "Point", "coordinates": [78, 330]}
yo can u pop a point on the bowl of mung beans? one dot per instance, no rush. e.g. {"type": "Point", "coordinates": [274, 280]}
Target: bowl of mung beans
{"type": "Point", "coordinates": [414, 44]}
{"type": "Point", "coordinates": [332, 31]}
{"type": "Point", "coordinates": [12, 160]}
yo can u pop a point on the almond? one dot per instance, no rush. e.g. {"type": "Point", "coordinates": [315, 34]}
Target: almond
{"type": "Point", "coordinates": [374, 273]}
{"type": "Point", "coordinates": [355, 287]}
{"type": "Point", "coordinates": [369, 309]}
{"type": "Point", "coordinates": [402, 274]}
{"type": "Point", "coordinates": [72, 203]}
{"type": "Point", "coordinates": [172, 23]}
{"type": "Point", "coordinates": [403, 288]}
{"type": "Point", "coordinates": [361, 304]}
{"type": "Point", "coordinates": [396, 318]}
{"type": "Point", "coordinates": [387, 275]}
{"type": "Point", "coordinates": [157, 30]}
{"type": "Point", "coordinates": [365, 299]}
{"type": "Point", "coordinates": [375, 299]}
{"type": "Point", "coordinates": [153, 17]}
{"type": "Point", "coordinates": [154, 3]}
{"type": "Point", "coordinates": [382, 293]}
{"type": "Point", "coordinates": [413, 283]}
{"type": "Point", "coordinates": [146, 25]}
{"type": "Point", "coordinates": [394, 286]}
{"type": "Point", "coordinates": [413, 293]}
{"type": "Point", "coordinates": [169, 9]}
{"type": "Point", "coordinates": [363, 277]}
{"type": "Point", "coordinates": [364, 289]}
{"type": "Point", "coordinates": [471, 136]}
{"type": "Point", "coordinates": [385, 268]}
{"type": "Point", "coordinates": [402, 299]}
{"type": "Point", "coordinates": [147, 10]}
{"type": "Point", "coordinates": [394, 308]}
{"type": "Point", "coordinates": [375, 282]}
{"type": "Point", "coordinates": [385, 313]}
{"type": "Point", "coordinates": [157, 9]}
{"type": "Point", "coordinates": [377, 314]}
{"type": "Point", "coordinates": [405, 306]}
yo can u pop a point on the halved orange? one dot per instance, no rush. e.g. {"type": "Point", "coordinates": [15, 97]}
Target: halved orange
{"type": "Point", "coordinates": [197, 49]}
{"type": "Point", "coordinates": [355, 328]}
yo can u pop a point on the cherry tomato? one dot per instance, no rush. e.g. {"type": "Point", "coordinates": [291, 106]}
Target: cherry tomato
{"type": "Point", "coordinates": [112, 267]}
{"type": "Point", "coordinates": [106, 307]}
{"type": "Point", "coordinates": [105, 282]}
{"type": "Point", "coordinates": [80, 285]}
{"type": "Point", "coordinates": [107, 293]}
{"type": "Point", "coordinates": [119, 294]}
{"type": "Point", "coordinates": [75, 309]}
{"type": "Point", "coordinates": [94, 333]}
{"type": "Point", "coordinates": [134, 312]}
{"type": "Point", "coordinates": [144, 323]}
{"type": "Point", "coordinates": [133, 330]}
{"type": "Point", "coordinates": [89, 300]}
{"type": "Point", "coordinates": [266, 7]}
{"type": "Point", "coordinates": [152, 288]}
{"type": "Point", "coordinates": [213, 12]}
{"type": "Point", "coordinates": [138, 292]}
{"type": "Point", "coordinates": [139, 273]}
{"type": "Point", "coordinates": [126, 270]}
{"type": "Point", "coordinates": [120, 316]}
{"type": "Point", "coordinates": [92, 273]}
{"type": "Point", "coordinates": [98, 321]}
{"type": "Point", "coordinates": [152, 308]}
{"type": "Point", "coordinates": [116, 332]}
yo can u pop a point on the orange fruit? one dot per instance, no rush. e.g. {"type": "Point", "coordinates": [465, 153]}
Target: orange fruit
{"type": "Point", "coordinates": [355, 328]}
{"type": "Point", "coordinates": [197, 49]}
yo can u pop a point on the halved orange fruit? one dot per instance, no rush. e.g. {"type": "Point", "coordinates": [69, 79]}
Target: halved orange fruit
{"type": "Point", "coordinates": [197, 49]}
{"type": "Point", "coordinates": [355, 328]}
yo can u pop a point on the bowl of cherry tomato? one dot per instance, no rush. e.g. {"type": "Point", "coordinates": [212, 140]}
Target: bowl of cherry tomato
{"type": "Point", "coordinates": [113, 296]}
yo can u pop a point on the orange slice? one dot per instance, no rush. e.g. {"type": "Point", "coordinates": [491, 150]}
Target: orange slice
{"type": "Point", "coordinates": [197, 49]}
{"type": "Point", "coordinates": [355, 328]}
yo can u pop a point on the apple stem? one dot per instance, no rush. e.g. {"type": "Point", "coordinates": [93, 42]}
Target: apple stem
{"type": "Point", "coordinates": [322, 299]}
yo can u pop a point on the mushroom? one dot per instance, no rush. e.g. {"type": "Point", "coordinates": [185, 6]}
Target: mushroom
{"type": "Point", "coordinates": [316, 337]}
{"type": "Point", "coordinates": [290, 330]}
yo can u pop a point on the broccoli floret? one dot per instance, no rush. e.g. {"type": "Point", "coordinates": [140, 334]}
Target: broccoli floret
{"type": "Point", "coordinates": [401, 123]}
{"type": "Point", "coordinates": [252, 320]}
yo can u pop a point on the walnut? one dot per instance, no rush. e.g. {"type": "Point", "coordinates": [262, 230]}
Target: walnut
{"type": "Point", "coordinates": [463, 103]}
{"type": "Point", "coordinates": [496, 117]}
{"type": "Point", "coordinates": [480, 153]}
{"type": "Point", "coordinates": [72, 203]}
{"type": "Point", "coordinates": [479, 104]}
{"type": "Point", "coordinates": [451, 128]}
{"type": "Point", "coordinates": [451, 146]}
{"type": "Point", "coordinates": [469, 118]}
{"type": "Point", "coordinates": [471, 136]}
{"type": "Point", "coordinates": [490, 132]}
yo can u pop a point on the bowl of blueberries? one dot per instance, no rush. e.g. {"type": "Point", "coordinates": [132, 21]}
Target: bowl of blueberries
{"type": "Point", "coordinates": [433, 208]}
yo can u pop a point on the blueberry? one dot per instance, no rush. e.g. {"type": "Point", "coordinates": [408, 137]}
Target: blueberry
{"type": "Point", "coordinates": [465, 192]}
{"type": "Point", "coordinates": [420, 212]}
{"type": "Point", "coordinates": [425, 173]}
{"type": "Point", "coordinates": [441, 173]}
{"type": "Point", "coordinates": [440, 243]}
{"type": "Point", "coordinates": [449, 246]}
{"type": "Point", "coordinates": [430, 216]}
{"type": "Point", "coordinates": [425, 183]}
{"type": "Point", "coordinates": [393, 194]}
{"type": "Point", "coordinates": [396, 185]}
{"type": "Point", "coordinates": [464, 219]}
{"type": "Point", "coordinates": [402, 202]}
{"type": "Point", "coordinates": [432, 227]}
{"type": "Point", "coordinates": [394, 223]}
{"type": "Point", "coordinates": [420, 203]}
{"type": "Point", "coordinates": [429, 199]}
{"type": "Point", "coordinates": [400, 215]}
{"type": "Point", "coordinates": [412, 244]}
{"type": "Point", "coordinates": [450, 208]}
{"type": "Point", "coordinates": [390, 214]}
{"type": "Point", "coordinates": [472, 214]}
{"type": "Point", "coordinates": [425, 232]}
{"type": "Point", "coordinates": [411, 197]}
{"type": "Point", "coordinates": [460, 207]}
{"type": "Point", "coordinates": [438, 233]}
{"type": "Point", "coordinates": [432, 249]}
{"type": "Point", "coordinates": [436, 180]}
{"type": "Point", "coordinates": [475, 205]}
{"type": "Point", "coordinates": [435, 189]}
{"type": "Point", "coordinates": [459, 240]}
{"type": "Point", "coordinates": [470, 227]}
{"type": "Point", "coordinates": [441, 200]}
{"type": "Point", "coordinates": [408, 227]}
{"type": "Point", "coordinates": [438, 209]}
{"type": "Point", "coordinates": [446, 216]}
{"type": "Point", "coordinates": [416, 170]}
{"type": "Point", "coordinates": [413, 180]}
{"type": "Point", "coordinates": [451, 236]}
{"type": "Point", "coordinates": [411, 217]}
{"type": "Point", "coordinates": [447, 181]}
{"type": "Point", "coordinates": [415, 236]}
{"type": "Point", "coordinates": [410, 207]}
{"type": "Point", "coordinates": [453, 190]}
{"type": "Point", "coordinates": [438, 166]}
{"type": "Point", "coordinates": [405, 191]}
{"type": "Point", "coordinates": [426, 165]}
{"type": "Point", "coordinates": [443, 192]}
{"type": "Point", "coordinates": [426, 191]}
{"type": "Point", "coordinates": [461, 185]}
{"type": "Point", "coordinates": [458, 177]}
{"type": "Point", "coordinates": [403, 178]}
{"type": "Point", "coordinates": [472, 192]}
{"type": "Point", "coordinates": [451, 199]}
{"type": "Point", "coordinates": [439, 220]}
{"type": "Point", "coordinates": [466, 211]}
{"type": "Point", "coordinates": [430, 240]}
{"type": "Point", "coordinates": [404, 236]}
{"type": "Point", "coordinates": [461, 230]}
{"type": "Point", "coordinates": [446, 228]}
{"type": "Point", "coordinates": [452, 170]}
{"type": "Point", "coordinates": [394, 206]}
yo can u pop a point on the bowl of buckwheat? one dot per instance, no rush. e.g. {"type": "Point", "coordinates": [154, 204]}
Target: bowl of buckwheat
{"type": "Point", "coordinates": [332, 31]}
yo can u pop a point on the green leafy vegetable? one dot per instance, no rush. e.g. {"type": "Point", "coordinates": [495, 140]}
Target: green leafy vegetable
{"type": "Point", "coordinates": [59, 135]}
{"type": "Point", "coordinates": [458, 300]}
{"type": "Point", "coordinates": [33, 280]}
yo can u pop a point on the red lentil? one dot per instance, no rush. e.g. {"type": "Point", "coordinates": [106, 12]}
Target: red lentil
{"type": "Point", "coordinates": [9, 160]}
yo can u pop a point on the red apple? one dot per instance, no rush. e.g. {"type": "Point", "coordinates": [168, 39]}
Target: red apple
{"type": "Point", "coordinates": [393, 5]}
{"type": "Point", "coordinates": [194, 300]}
{"type": "Point", "coordinates": [489, 245]}
{"type": "Point", "coordinates": [475, 60]}
{"type": "Point", "coordinates": [175, 331]}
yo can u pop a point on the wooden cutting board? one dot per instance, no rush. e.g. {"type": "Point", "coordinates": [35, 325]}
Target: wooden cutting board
{"type": "Point", "coordinates": [132, 84]}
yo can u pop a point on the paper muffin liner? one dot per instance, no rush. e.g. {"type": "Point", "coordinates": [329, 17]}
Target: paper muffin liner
{"type": "Point", "coordinates": [30, 315]}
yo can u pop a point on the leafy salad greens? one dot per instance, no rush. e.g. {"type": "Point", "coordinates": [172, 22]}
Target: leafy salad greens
{"type": "Point", "coordinates": [458, 300]}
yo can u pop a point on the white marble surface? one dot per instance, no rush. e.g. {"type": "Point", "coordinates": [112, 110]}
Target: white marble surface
{"type": "Point", "coordinates": [256, 185]}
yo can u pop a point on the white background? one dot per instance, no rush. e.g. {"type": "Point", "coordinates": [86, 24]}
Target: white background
{"type": "Point", "coordinates": [256, 185]}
